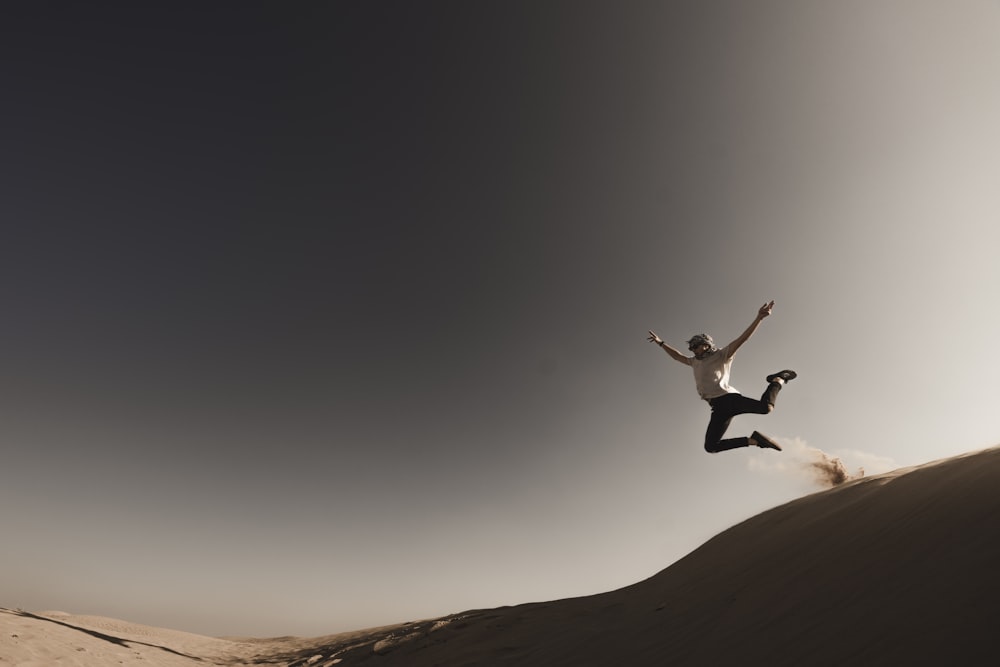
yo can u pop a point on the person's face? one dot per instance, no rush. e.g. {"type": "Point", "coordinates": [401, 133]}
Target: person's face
{"type": "Point", "coordinates": [700, 349]}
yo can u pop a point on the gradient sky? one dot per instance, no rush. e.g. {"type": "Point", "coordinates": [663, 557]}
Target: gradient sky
{"type": "Point", "coordinates": [325, 316]}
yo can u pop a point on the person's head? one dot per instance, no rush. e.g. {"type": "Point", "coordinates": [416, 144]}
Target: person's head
{"type": "Point", "coordinates": [701, 344]}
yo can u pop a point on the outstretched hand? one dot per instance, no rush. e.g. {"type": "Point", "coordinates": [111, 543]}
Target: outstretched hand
{"type": "Point", "coordinates": [653, 338]}
{"type": "Point", "coordinates": [765, 310]}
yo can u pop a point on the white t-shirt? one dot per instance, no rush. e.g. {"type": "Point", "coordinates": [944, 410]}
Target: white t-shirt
{"type": "Point", "coordinates": [711, 374]}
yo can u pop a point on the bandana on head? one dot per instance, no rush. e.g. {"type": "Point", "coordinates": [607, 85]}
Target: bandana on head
{"type": "Point", "coordinates": [699, 339]}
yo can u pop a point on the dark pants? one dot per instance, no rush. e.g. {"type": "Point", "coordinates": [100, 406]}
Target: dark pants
{"type": "Point", "coordinates": [724, 408]}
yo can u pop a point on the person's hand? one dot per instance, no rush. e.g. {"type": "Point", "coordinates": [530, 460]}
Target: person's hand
{"type": "Point", "coordinates": [765, 310]}
{"type": "Point", "coordinates": [653, 338]}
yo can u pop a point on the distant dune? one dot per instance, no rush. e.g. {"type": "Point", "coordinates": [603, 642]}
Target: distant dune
{"type": "Point", "coordinates": [895, 569]}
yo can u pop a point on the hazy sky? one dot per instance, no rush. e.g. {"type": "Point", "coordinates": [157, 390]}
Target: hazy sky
{"type": "Point", "coordinates": [319, 316]}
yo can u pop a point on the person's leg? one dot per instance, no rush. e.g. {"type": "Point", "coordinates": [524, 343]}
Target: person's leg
{"type": "Point", "coordinates": [775, 382]}
{"type": "Point", "coordinates": [724, 408]}
{"type": "Point", "coordinates": [770, 395]}
{"type": "Point", "coordinates": [717, 426]}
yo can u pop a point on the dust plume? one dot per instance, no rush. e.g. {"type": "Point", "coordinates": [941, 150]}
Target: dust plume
{"type": "Point", "coordinates": [829, 470]}
{"type": "Point", "coordinates": [804, 461]}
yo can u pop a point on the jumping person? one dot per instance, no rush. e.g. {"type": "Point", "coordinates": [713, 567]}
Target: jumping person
{"type": "Point", "coordinates": [711, 367]}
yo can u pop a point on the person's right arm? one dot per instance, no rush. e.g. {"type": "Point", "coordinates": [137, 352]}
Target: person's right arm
{"type": "Point", "coordinates": [653, 338]}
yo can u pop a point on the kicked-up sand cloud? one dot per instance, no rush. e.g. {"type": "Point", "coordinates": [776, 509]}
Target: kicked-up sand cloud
{"type": "Point", "coordinates": [830, 470]}
{"type": "Point", "coordinates": [814, 465]}
{"type": "Point", "coordinates": [890, 569]}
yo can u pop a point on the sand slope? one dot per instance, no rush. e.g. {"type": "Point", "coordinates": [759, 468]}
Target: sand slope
{"type": "Point", "coordinates": [53, 638]}
{"type": "Point", "coordinates": [902, 568]}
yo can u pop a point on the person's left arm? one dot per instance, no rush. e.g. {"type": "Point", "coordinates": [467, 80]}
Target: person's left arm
{"type": "Point", "coordinates": [764, 311]}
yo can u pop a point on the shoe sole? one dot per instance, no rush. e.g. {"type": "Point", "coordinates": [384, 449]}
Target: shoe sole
{"type": "Point", "coordinates": [765, 442]}
{"type": "Point", "coordinates": [787, 376]}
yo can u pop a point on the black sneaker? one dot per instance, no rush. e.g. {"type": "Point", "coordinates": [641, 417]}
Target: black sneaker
{"type": "Point", "coordinates": [764, 442]}
{"type": "Point", "coordinates": [787, 376]}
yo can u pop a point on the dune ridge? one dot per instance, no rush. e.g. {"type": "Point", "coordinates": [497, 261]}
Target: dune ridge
{"type": "Point", "coordinates": [899, 568]}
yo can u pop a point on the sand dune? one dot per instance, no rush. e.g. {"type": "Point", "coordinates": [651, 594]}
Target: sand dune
{"type": "Point", "coordinates": [900, 568]}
